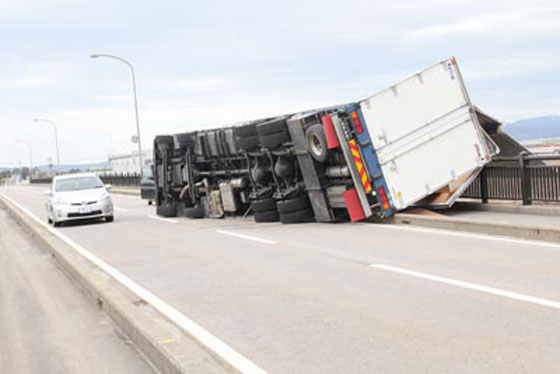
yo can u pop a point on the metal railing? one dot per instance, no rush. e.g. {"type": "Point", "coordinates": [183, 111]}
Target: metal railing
{"type": "Point", "coordinates": [119, 180]}
{"type": "Point", "coordinates": [527, 178]}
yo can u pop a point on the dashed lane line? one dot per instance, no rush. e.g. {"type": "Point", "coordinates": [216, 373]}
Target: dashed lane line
{"type": "Point", "coordinates": [247, 237]}
{"type": "Point", "coordinates": [471, 286]}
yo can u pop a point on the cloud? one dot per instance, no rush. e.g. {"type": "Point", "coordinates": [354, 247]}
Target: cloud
{"type": "Point", "coordinates": [512, 21]}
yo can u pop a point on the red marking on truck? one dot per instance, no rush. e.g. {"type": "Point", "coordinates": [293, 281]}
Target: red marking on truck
{"type": "Point", "coordinates": [330, 134]}
{"type": "Point", "coordinates": [357, 123]}
{"type": "Point", "coordinates": [360, 165]}
{"type": "Point", "coordinates": [353, 205]}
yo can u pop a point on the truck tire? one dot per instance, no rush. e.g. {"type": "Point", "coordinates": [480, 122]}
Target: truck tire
{"type": "Point", "coordinates": [292, 205]}
{"type": "Point", "coordinates": [263, 205]}
{"type": "Point", "coordinates": [164, 139]}
{"type": "Point", "coordinates": [182, 141]}
{"type": "Point", "coordinates": [167, 210]}
{"type": "Point", "coordinates": [194, 212]}
{"type": "Point", "coordinates": [274, 140]}
{"type": "Point", "coordinates": [248, 143]}
{"type": "Point", "coordinates": [267, 216]}
{"type": "Point", "coordinates": [271, 127]}
{"type": "Point", "coordinates": [244, 131]}
{"type": "Point", "coordinates": [316, 142]}
{"type": "Point", "coordinates": [299, 216]}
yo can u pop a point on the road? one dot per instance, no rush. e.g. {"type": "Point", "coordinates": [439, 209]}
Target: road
{"type": "Point", "coordinates": [341, 298]}
{"type": "Point", "coordinates": [47, 325]}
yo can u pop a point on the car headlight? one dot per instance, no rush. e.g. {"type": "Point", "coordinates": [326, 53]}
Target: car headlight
{"type": "Point", "coordinates": [59, 203]}
{"type": "Point", "coordinates": [106, 198]}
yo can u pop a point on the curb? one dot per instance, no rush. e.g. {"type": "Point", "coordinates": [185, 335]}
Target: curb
{"type": "Point", "coordinates": [167, 347]}
{"type": "Point", "coordinates": [545, 210]}
{"type": "Point", "coordinates": [482, 227]}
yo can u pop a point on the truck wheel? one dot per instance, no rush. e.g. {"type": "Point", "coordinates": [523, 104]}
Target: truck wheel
{"type": "Point", "coordinates": [293, 205]}
{"type": "Point", "coordinates": [263, 205]}
{"type": "Point", "coordinates": [167, 210]}
{"type": "Point", "coordinates": [248, 143]}
{"type": "Point", "coordinates": [316, 142]}
{"type": "Point", "coordinates": [299, 216]}
{"type": "Point", "coordinates": [271, 127]}
{"type": "Point", "coordinates": [268, 216]}
{"type": "Point", "coordinates": [274, 140]}
{"type": "Point", "coordinates": [182, 141]}
{"type": "Point", "coordinates": [244, 131]}
{"type": "Point", "coordinates": [164, 139]}
{"type": "Point", "coordinates": [194, 212]}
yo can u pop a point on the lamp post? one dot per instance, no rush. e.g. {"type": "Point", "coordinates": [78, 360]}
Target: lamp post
{"type": "Point", "coordinates": [135, 101]}
{"type": "Point", "coordinates": [55, 136]}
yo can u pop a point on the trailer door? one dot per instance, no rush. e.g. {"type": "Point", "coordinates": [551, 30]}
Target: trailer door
{"type": "Point", "coordinates": [426, 135]}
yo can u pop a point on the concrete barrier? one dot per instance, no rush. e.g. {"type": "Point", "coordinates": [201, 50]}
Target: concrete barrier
{"type": "Point", "coordinates": [530, 232]}
{"type": "Point", "coordinates": [166, 346]}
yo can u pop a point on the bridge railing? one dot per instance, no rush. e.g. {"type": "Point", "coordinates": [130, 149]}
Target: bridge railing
{"type": "Point", "coordinates": [527, 178]}
{"type": "Point", "coordinates": [119, 180]}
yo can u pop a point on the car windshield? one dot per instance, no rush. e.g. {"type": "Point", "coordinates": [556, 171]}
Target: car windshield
{"type": "Point", "coordinates": [77, 184]}
{"type": "Point", "coordinates": [147, 172]}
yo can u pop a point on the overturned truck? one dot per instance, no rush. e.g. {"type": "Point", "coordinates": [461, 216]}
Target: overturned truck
{"type": "Point", "coordinates": [418, 142]}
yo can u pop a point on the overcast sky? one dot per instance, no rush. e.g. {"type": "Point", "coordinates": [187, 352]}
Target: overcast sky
{"type": "Point", "coordinates": [207, 63]}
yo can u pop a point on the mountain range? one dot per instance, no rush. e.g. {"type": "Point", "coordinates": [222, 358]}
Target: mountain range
{"type": "Point", "coordinates": [534, 128]}
{"type": "Point", "coordinates": [63, 168]}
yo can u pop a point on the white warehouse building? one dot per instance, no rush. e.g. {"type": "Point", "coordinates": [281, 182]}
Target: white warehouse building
{"type": "Point", "coordinates": [128, 163]}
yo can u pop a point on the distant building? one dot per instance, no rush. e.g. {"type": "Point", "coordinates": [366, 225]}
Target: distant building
{"type": "Point", "coordinates": [128, 163]}
{"type": "Point", "coordinates": [543, 145]}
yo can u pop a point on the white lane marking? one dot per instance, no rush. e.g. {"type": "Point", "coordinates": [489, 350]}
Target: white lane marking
{"type": "Point", "coordinates": [120, 209]}
{"type": "Point", "coordinates": [472, 235]}
{"type": "Point", "coordinates": [169, 220]}
{"type": "Point", "coordinates": [235, 359]}
{"type": "Point", "coordinates": [248, 237]}
{"type": "Point", "coordinates": [471, 286]}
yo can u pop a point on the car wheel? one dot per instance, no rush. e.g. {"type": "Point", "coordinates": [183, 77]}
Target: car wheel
{"type": "Point", "coordinates": [49, 220]}
{"type": "Point", "coordinates": [317, 143]}
{"type": "Point", "coordinates": [150, 202]}
{"type": "Point", "coordinates": [109, 219]}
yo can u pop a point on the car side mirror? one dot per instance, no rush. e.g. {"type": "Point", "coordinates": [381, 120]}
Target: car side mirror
{"type": "Point", "coordinates": [108, 187]}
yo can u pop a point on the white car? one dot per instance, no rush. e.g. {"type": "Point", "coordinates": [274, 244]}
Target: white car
{"type": "Point", "coordinates": [78, 196]}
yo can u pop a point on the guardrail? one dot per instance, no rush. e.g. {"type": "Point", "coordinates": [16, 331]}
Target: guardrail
{"type": "Point", "coordinates": [526, 177]}
{"type": "Point", "coordinates": [120, 180]}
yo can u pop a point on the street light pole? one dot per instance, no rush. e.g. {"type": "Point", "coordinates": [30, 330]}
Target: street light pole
{"type": "Point", "coordinates": [135, 102]}
{"type": "Point", "coordinates": [55, 136]}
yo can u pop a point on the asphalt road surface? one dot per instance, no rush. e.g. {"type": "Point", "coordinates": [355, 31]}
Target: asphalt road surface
{"type": "Point", "coordinates": [46, 324]}
{"type": "Point", "coordinates": [341, 298]}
